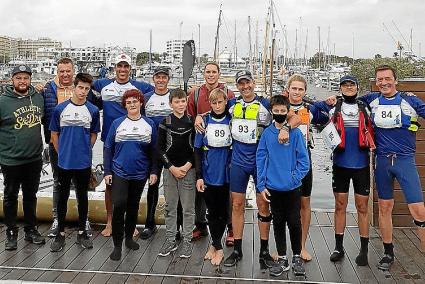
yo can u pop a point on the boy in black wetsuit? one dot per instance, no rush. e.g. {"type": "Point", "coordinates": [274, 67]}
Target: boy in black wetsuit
{"type": "Point", "coordinates": [175, 149]}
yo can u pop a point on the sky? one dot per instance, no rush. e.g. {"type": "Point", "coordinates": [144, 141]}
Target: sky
{"type": "Point", "coordinates": [127, 23]}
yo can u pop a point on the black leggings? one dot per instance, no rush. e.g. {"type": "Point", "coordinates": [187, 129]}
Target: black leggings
{"type": "Point", "coordinates": [126, 196]}
{"type": "Point", "coordinates": [285, 207]}
{"type": "Point", "coordinates": [27, 176]}
{"type": "Point", "coordinates": [217, 201]}
{"type": "Point", "coordinates": [81, 179]}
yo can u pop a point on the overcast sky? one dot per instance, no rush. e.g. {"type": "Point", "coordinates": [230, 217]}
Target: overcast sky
{"type": "Point", "coordinates": [127, 22]}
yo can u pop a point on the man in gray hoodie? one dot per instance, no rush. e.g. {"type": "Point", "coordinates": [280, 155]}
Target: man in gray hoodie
{"type": "Point", "coordinates": [21, 110]}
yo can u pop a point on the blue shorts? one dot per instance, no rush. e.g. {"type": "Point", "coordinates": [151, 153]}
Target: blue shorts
{"type": "Point", "coordinates": [404, 170]}
{"type": "Point", "coordinates": [239, 178]}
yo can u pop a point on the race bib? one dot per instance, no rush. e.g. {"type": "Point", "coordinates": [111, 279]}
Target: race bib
{"type": "Point", "coordinates": [244, 130]}
{"type": "Point", "coordinates": [330, 136]}
{"type": "Point", "coordinates": [218, 135]}
{"type": "Point", "coordinates": [388, 116]}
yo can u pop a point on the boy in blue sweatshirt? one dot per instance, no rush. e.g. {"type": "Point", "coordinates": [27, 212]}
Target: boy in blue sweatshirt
{"type": "Point", "coordinates": [280, 169]}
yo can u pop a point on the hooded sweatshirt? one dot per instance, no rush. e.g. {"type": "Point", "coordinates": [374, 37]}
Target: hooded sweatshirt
{"type": "Point", "coordinates": [20, 127]}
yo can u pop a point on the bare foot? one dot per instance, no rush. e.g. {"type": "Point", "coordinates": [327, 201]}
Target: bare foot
{"type": "Point", "coordinates": [305, 255]}
{"type": "Point", "coordinates": [107, 232]}
{"type": "Point", "coordinates": [218, 257]}
{"type": "Point", "coordinates": [210, 253]}
{"type": "Point", "coordinates": [136, 232]}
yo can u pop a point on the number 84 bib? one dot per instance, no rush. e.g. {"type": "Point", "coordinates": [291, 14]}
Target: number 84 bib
{"type": "Point", "coordinates": [218, 135]}
{"type": "Point", "coordinates": [388, 116]}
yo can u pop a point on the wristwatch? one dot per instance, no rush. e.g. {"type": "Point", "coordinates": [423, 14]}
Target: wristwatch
{"type": "Point", "coordinates": [286, 127]}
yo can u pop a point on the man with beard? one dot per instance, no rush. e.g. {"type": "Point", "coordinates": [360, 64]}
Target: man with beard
{"type": "Point", "coordinates": [21, 110]}
{"type": "Point", "coordinates": [109, 95]}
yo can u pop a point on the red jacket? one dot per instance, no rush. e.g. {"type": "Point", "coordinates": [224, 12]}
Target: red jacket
{"type": "Point", "coordinates": [203, 104]}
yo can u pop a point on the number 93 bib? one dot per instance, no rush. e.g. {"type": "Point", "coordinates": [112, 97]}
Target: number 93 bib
{"type": "Point", "coordinates": [388, 116]}
{"type": "Point", "coordinates": [244, 130]}
{"type": "Point", "coordinates": [218, 135]}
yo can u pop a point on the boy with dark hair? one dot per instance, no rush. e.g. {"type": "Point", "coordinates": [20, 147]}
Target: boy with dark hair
{"type": "Point", "coordinates": [175, 149]}
{"type": "Point", "coordinates": [280, 169]}
{"type": "Point", "coordinates": [74, 127]}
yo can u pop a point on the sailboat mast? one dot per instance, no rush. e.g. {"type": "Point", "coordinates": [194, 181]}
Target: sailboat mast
{"type": "Point", "coordinates": [150, 49]}
{"type": "Point", "coordinates": [216, 44]}
{"type": "Point", "coordinates": [265, 48]}
{"type": "Point", "coordinates": [250, 47]}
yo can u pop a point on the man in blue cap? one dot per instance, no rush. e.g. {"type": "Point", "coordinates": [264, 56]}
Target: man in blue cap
{"type": "Point", "coordinates": [350, 162]}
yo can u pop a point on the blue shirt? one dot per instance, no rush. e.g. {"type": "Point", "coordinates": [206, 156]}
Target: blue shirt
{"type": "Point", "coordinates": [215, 160]}
{"type": "Point", "coordinates": [397, 139]}
{"type": "Point", "coordinates": [352, 157]}
{"type": "Point", "coordinates": [111, 92]}
{"type": "Point", "coordinates": [243, 154]}
{"type": "Point", "coordinates": [130, 148]}
{"type": "Point", "coordinates": [281, 167]}
{"type": "Point", "coordinates": [75, 123]}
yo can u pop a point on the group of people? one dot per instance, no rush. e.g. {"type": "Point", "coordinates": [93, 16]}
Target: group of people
{"type": "Point", "coordinates": [206, 145]}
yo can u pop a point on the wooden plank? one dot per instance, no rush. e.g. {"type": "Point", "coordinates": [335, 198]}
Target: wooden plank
{"type": "Point", "coordinates": [397, 270]}
{"type": "Point", "coordinates": [151, 253]}
{"type": "Point", "coordinates": [195, 263]}
{"type": "Point", "coordinates": [245, 267]}
{"type": "Point", "coordinates": [25, 249]}
{"type": "Point", "coordinates": [135, 279]}
{"type": "Point", "coordinates": [100, 278]}
{"type": "Point", "coordinates": [344, 267]}
{"type": "Point", "coordinates": [373, 258]}
{"type": "Point", "coordinates": [322, 252]}
{"type": "Point", "coordinates": [117, 279]}
{"type": "Point", "coordinates": [410, 270]}
{"type": "Point", "coordinates": [83, 277]}
{"type": "Point", "coordinates": [66, 277]}
{"type": "Point", "coordinates": [400, 208]}
{"type": "Point", "coordinates": [323, 218]}
{"type": "Point", "coordinates": [413, 260]}
{"type": "Point", "coordinates": [352, 248]}
{"type": "Point", "coordinates": [397, 194]}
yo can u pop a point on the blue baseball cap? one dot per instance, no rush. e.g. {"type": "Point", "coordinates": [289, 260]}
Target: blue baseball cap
{"type": "Point", "coordinates": [348, 78]}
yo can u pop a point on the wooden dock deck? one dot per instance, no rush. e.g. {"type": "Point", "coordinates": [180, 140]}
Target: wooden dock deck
{"type": "Point", "coordinates": [74, 264]}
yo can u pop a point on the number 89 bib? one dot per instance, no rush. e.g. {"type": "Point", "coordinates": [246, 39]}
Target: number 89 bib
{"type": "Point", "coordinates": [218, 135]}
{"type": "Point", "coordinates": [388, 116]}
{"type": "Point", "coordinates": [244, 130]}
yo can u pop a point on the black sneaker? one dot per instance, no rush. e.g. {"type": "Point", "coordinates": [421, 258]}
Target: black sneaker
{"type": "Point", "coordinates": [11, 240]}
{"type": "Point", "coordinates": [279, 266]}
{"type": "Point", "coordinates": [58, 243]}
{"type": "Point", "coordinates": [147, 233]}
{"type": "Point", "coordinates": [298, 265]}
{"type": "Point", "coordinates": [233, 258]}
{"type": "Point", "coordinates": [84, 240]}
{"type": "Point", "coordinates": [337, 255]}
{"type": "Point", "coordinates": [385, 263]}
{"type": "Point", "coordinates": [266, 259]}
{"type": "Point", "coordinates": [34, 237]}
{"type": "Point", "coordinates": [53, 232]}
{"type": "Point", "coordinates": [361, 259]}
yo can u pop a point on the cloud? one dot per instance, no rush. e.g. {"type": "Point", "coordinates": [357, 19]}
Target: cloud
{"type": "Point", "coordinates": [127, 22]}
